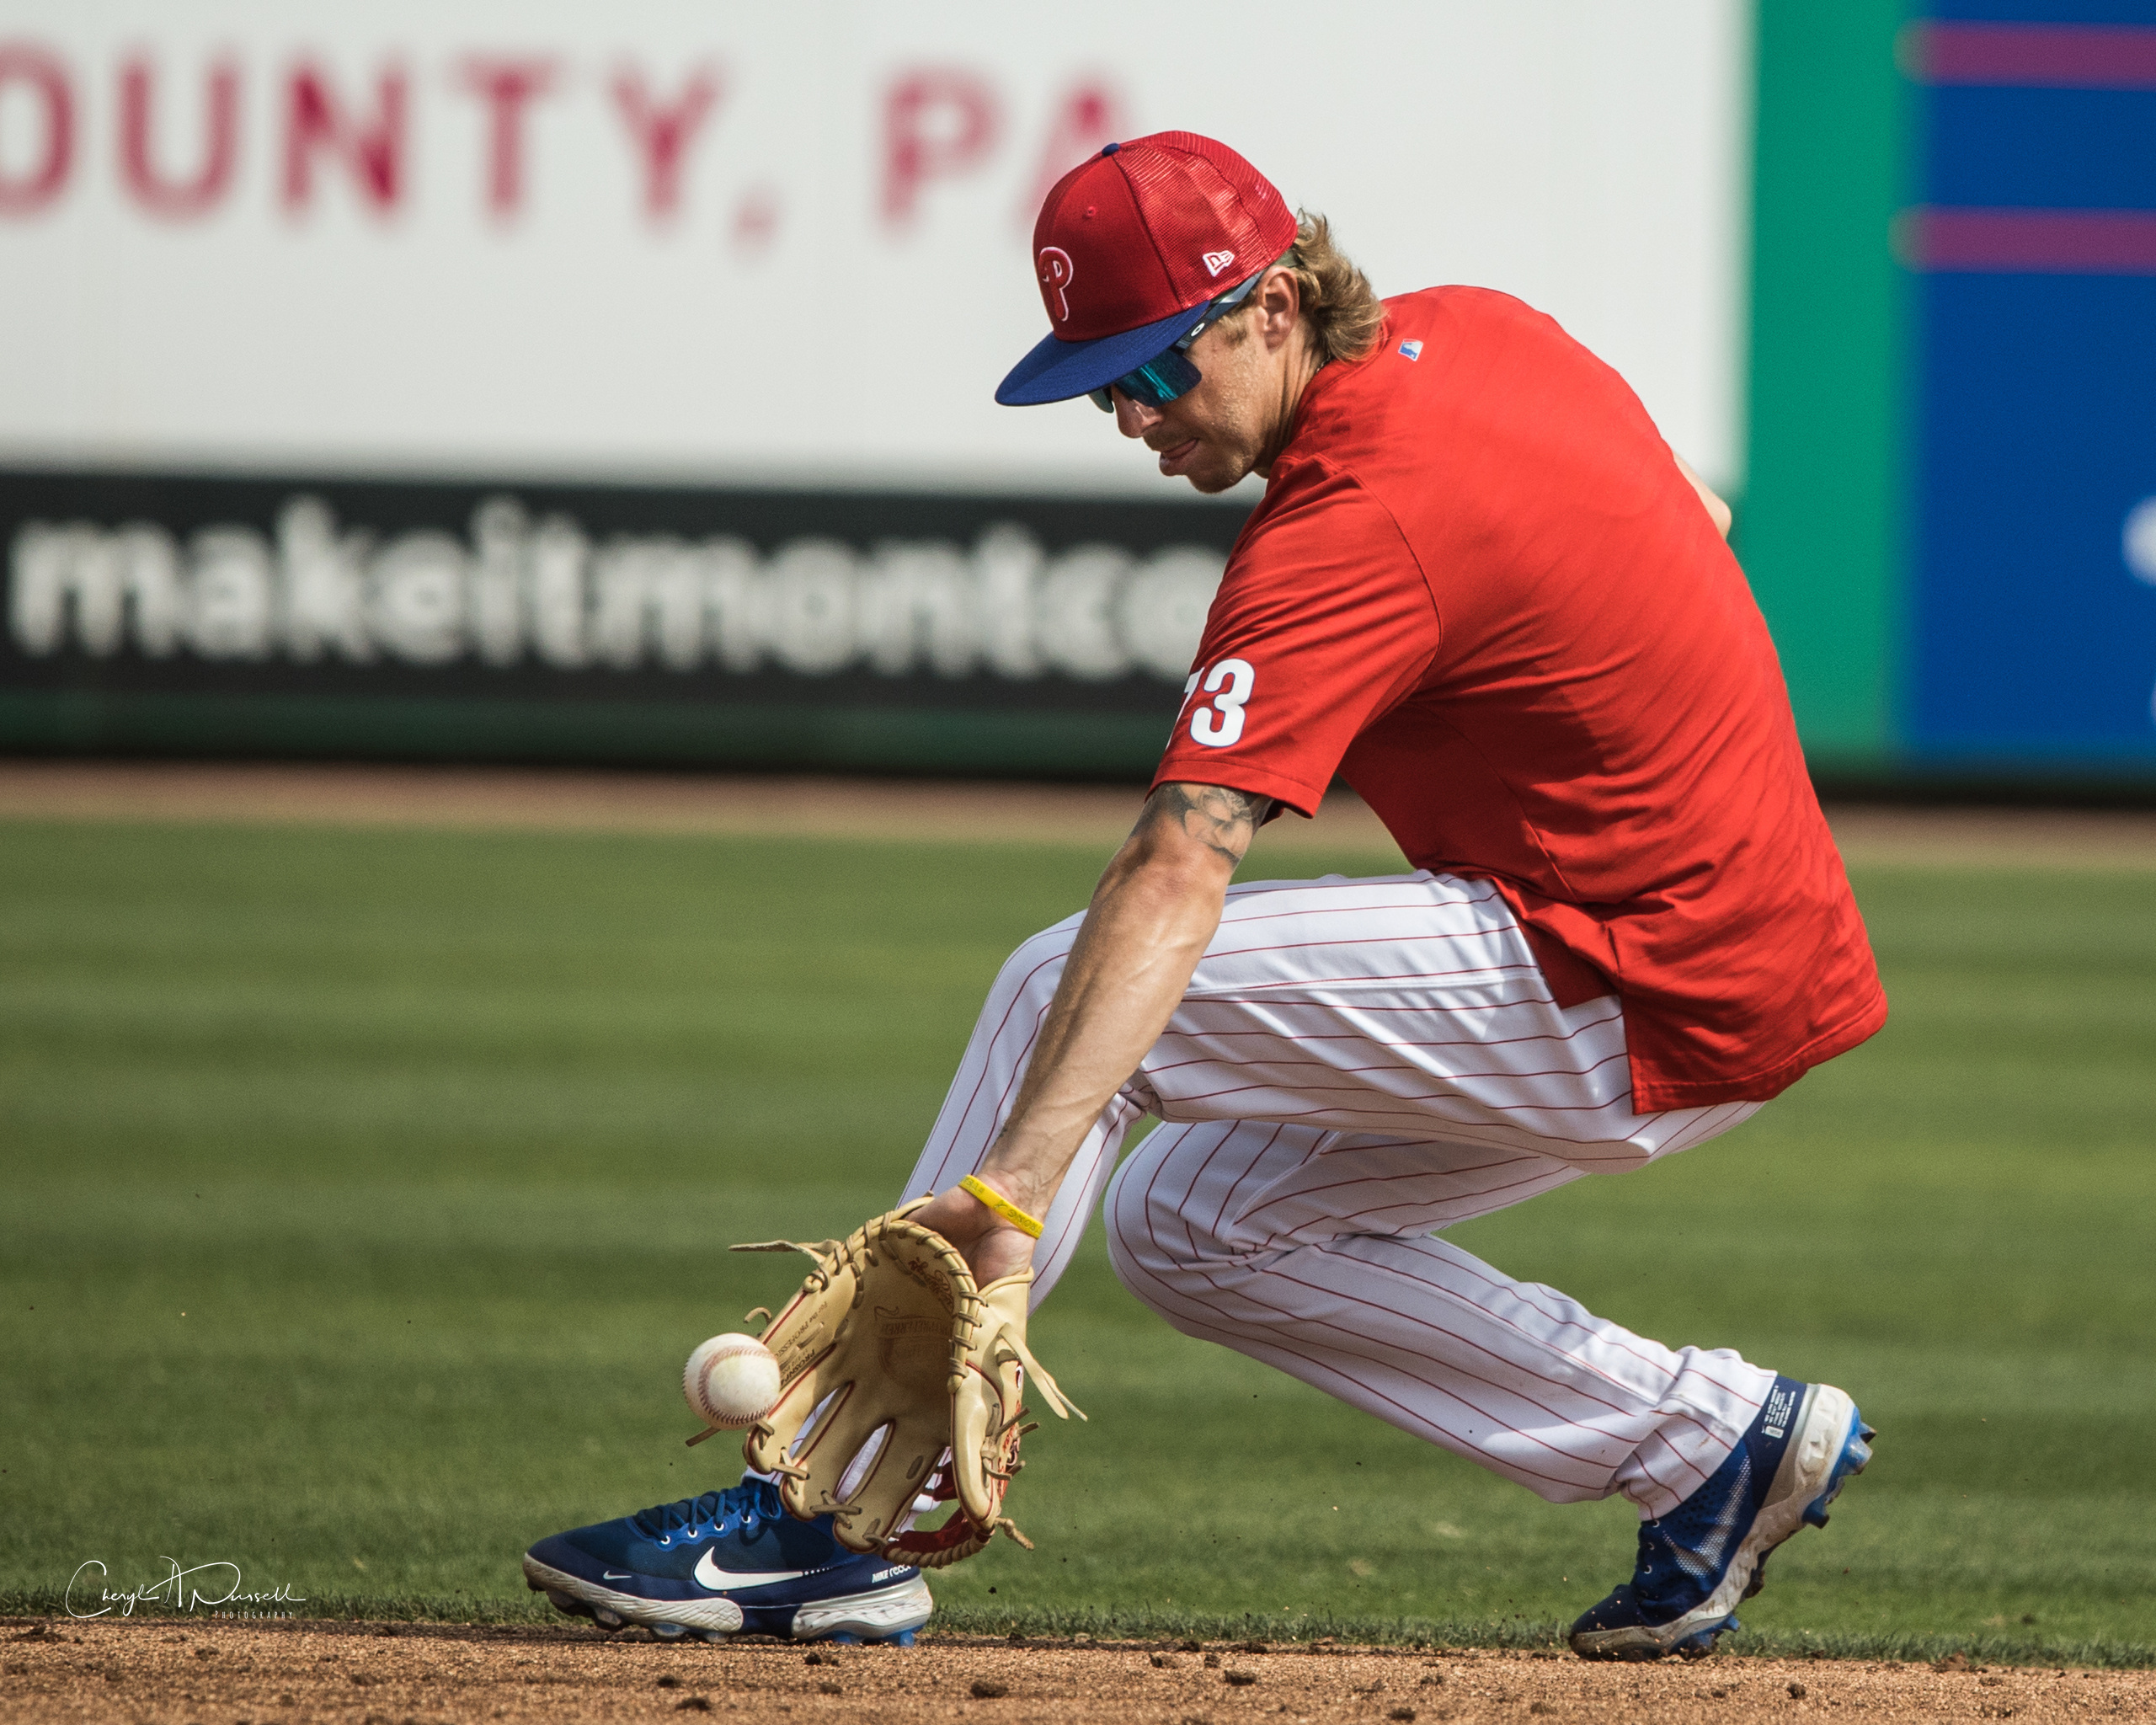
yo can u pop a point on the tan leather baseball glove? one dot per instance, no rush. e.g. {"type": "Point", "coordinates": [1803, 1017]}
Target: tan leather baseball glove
{"type": "Point", "coordinates": [898, 1380]}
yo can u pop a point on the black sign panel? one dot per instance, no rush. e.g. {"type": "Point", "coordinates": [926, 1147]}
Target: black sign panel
{"type": "Point", "coordinates": [485, 620]}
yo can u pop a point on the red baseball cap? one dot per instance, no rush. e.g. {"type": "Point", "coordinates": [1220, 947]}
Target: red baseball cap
{"type": "Point", "coordinates": [1131, 247]}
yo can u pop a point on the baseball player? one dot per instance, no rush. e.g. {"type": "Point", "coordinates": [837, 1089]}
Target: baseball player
{"type": "Point", "coordinates": [1480, 589]}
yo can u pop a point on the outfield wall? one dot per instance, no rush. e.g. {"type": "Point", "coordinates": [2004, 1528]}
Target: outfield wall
{"type": "Point", "coordinates": [544, 381]}
{"type": "Point", "coordinates": [1950, 514]}
{"type": "Point", "coordinates": [976, 635]}
{"type": "Point", "coordinates": [712, 312]}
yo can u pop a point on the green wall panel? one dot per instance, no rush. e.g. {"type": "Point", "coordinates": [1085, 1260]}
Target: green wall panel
{"type": "Point", "coordinates": [1822, 526]}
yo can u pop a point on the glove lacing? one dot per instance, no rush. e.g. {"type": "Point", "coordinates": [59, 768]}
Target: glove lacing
{"type": "Point", "coordinates": [830, 1257]}
{"type": "Point", "coordinates": [961, 1538]}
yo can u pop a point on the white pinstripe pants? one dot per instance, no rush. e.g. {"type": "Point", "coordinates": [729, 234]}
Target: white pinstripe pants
{"type": "Point", "coordinates": [1356, 1064]}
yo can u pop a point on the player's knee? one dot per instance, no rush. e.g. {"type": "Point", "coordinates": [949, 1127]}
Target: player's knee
{"type": "Point", "coordinates": [1137, 1259]}
{"type": "Point", "coordinates": [1123, 1215]}
{"type": "Point", "coordinates": [1151, 1246]}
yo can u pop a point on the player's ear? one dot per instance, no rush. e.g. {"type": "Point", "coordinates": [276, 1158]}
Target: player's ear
{"type": "Point", "coordinates": [1279, 299]}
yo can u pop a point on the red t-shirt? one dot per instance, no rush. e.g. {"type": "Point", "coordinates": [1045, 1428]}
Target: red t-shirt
{"type": "Point", "coordinates": [1480, 589]}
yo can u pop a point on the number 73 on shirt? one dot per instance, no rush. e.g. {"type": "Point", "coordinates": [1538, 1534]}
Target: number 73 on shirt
{"type": "Point", "coordinates": [1217, 722]}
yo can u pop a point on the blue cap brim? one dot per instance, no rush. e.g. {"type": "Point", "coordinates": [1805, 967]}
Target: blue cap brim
{"type": "Point", "coordinates": [1062, 370]}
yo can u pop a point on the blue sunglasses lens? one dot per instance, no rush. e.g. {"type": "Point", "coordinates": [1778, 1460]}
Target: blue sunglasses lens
{"type": "Point", "coordinates": [1155, 383]}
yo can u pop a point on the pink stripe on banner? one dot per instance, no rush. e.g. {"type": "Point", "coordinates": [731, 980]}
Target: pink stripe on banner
{"type": "Point", "coordinates": [2036, 242]}
{"type": "Point", "coordinates": [2032, 55]}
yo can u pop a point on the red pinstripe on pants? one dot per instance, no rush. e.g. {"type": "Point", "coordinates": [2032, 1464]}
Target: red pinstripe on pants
{"type": "Point", "coordinates": [1357, 1062]}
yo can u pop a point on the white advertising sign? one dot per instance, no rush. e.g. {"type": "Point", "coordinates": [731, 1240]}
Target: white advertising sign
{"type": "Point", "coordinates": [783, 244]}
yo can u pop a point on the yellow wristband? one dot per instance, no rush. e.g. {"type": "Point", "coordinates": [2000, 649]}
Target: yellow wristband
{"type": "Point", "coordinates": [1002, 1206]}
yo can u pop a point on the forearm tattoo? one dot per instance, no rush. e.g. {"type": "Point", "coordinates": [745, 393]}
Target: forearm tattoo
{"type": "Point", "coordinates": [1223, 820]}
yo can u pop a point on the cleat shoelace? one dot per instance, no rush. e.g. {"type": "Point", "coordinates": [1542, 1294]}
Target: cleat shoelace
{"type": "Point", "coordinates": [741, 1506]}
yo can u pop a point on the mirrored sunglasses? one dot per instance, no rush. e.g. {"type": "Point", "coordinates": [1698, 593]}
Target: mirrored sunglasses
{"type": "Point", "coordinates": [1162, 379]}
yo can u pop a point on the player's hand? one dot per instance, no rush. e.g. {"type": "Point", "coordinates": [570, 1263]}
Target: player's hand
{"type": "Point", "coordinates": [991, 1247]}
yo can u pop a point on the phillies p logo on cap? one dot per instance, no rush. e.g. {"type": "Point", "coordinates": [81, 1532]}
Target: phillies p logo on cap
{"type": "Point", "coordinates": [1055, 276]}
{"type": "Point", "coordinates": [1149, 231]}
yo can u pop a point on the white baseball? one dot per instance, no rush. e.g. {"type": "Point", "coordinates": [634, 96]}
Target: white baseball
{"type": "Point", "coordinates": [731, 1380]}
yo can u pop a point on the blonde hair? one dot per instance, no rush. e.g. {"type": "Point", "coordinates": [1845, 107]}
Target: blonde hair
{"type": "Point", "coordinates": [1341, 312]}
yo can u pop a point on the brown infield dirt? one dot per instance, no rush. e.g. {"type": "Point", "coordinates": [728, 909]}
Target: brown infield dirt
{"type": "Point", "coordinates": [268, 1672]}
{"type": "Point", "coordinates": [468, 799]}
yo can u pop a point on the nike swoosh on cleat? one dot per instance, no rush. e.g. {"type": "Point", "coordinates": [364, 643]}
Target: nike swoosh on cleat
{"type": "Point", "coordinates": [718, 1580]}
{"type": "Point", "coordinates": [617, 1575]}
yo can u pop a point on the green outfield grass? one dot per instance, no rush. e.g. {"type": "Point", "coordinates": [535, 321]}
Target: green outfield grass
{"type": "Point", "coordinates": [364, 1191]}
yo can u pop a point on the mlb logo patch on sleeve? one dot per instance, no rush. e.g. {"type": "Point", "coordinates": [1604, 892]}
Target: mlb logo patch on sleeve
{"type": "Point", "coordinates": [1410, 349]}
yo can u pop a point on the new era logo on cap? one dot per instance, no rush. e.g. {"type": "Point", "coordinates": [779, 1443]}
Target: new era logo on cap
{"type": "Point", "coordinates": [1215, 262]}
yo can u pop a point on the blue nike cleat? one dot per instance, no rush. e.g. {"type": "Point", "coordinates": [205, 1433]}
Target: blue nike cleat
{"type": "Point", "coordinates": [730, 1563]}
{"type": "Point", "coordinates": [1699, 1560]}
